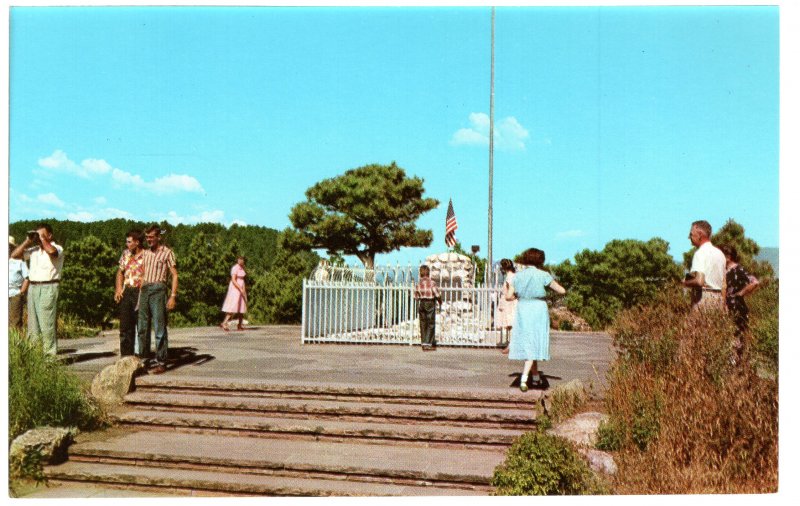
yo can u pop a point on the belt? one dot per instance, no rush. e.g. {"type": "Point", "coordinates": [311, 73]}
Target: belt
{"type": "Point", "coordinates": [715, 290]}
{"type": "Point", "coordinates": [44, 282]}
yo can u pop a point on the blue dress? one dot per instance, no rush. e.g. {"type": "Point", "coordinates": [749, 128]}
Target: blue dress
{"type": "Point", "coordinates": [530, 339]}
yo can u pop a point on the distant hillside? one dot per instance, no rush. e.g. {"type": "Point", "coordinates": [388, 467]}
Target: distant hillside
{"type": "Point", "coordinates": [771, 256]}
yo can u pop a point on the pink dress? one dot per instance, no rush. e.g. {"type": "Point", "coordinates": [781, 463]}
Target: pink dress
{"type": "Point", "coordinates": [506, 308]}
{"type": "Point", "coordinates": [234, 302]}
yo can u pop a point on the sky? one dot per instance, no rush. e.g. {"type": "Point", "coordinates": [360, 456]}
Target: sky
{"type": "Point", "coordinates": [610, 122]}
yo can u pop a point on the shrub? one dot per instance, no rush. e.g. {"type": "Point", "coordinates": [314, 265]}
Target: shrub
{"type": "Point", "coordinates": [683, 417]}
{"type": "Point", "coordinates": [69, 326]}
{"type": "Point", "coordinates": [41, 391]}
{"type": "Point", "coordinates": [541, 464]}
{"type": "Point", "coordinates": [763, 305]}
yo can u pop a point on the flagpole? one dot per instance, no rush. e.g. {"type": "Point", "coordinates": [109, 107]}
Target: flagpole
{"type": "Point", "coordinates": [491, 152]}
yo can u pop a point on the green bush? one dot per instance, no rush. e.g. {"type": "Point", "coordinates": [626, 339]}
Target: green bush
{"type": "Point", "coordinates": [41, 391]}
{"type": "Point", "coordinates": [541, 464]}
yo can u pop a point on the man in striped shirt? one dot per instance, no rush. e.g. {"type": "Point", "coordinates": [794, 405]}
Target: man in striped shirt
{"type": "Point", "coordinates": [427, 295]}
{"type": "Point", "coordinates": [153, 302]}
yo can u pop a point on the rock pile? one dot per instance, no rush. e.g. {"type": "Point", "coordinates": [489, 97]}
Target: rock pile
{"type": "Point", "coordinates": [451, 270]}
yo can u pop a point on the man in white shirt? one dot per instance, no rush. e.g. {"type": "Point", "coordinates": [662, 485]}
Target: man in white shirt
{"type": "Point", "coordinates": [46, 260]}
{"type": "Point", "coordinates": [708, 268]}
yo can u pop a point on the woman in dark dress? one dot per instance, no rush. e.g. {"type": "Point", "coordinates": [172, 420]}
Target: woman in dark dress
{"type": "Point", "coordinates": [738, 284]}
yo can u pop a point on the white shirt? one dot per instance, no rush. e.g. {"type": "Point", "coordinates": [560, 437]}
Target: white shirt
{"type": "Point", "coordinates": [17, 273]}
{"type": "Point", "coordinates": [42, 267]}
{"type": "Point", "coordinates": [709, 260]}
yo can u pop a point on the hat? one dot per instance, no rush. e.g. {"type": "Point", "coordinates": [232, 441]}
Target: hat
{"type": "Point", "coordinates": [11, 240]}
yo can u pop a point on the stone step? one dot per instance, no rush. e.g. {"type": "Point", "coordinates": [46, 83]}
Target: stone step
{"type": "Point", "coordinates": [401, 465]}
{"type": "Point", "coordinates": [453, 395]}
{"type": "Point", "coordinates": [384, 433]}
{"type": "Point", "coordinates": [213, 483]}
{"type": "Point", "coordinates": [332, 409]}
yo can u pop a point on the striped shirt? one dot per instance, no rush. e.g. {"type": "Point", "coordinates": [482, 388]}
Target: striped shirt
{"type": "Point", "coordinates": [426, 289]}
{"type": "Point", "coordinates": [157, 264]}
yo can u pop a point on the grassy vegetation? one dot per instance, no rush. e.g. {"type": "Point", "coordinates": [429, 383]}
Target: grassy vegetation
{"type": "Point", "coordinates": [41, 391]}
{"type": "Point", "coordinates": [683, 417]}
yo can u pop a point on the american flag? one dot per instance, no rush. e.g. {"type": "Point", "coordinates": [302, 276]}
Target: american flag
{"type": "Point", "coordinates": [450, 226]}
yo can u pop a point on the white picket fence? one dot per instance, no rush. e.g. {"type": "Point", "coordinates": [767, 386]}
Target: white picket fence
{"type": "Point", "coordinates": [383, 311]}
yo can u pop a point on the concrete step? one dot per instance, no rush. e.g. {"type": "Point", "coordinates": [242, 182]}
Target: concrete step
{"type": "Point", "coordinates": [211, 483]}
{"type": "Point", "coordinates": [333, 409]}
{"type": "Point", "coordinates": [452, 395]}
{"type": "Point", "coordinates": [316, 429]}
{"type": "Point", "coordinates": [401, 465]}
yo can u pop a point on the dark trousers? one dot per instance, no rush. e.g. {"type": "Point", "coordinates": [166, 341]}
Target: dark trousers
{"type": "Point", "coordinates": [127, 320]}
{"type": "Point", "coordinates": [427, 321]}
{"type": "Point", "coordinates": [153, 312]}
{"type": "Point", "coordinates": [15, 307]}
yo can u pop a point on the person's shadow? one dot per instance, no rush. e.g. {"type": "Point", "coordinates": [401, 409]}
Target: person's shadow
{"type": "Point", "coordinates": [70, 356]}
{"type": "Point", "coordinates": [186, 355]}
{"type": "Point", "coordinates": [543, 383]}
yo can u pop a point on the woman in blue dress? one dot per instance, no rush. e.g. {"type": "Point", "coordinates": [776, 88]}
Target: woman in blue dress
{"type": "Point", "coordinates": [531, 341]}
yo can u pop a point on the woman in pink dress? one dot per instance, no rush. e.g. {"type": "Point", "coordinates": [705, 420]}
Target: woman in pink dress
{"type": "Point", "coordinates": [236, 299]}
{"type": "Point", "coordinates": [507, 305]}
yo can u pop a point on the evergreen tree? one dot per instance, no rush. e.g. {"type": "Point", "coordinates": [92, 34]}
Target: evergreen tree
{"type": "Point", "coordinates": [363, 212]}
{"type": "Point", "coordinates": [203, 274]}
{"type": "Point", "coordinates": [625, 273]}
{"type": "Point", "coordinates": [277, 295]}
{"type": "Point", "coordinates": [87, 282]}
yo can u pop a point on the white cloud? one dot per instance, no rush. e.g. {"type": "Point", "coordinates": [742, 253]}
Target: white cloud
{"type": "Point", "coordinates": [81, 216]}
{"type": "Point", "coordinates": [91, 167]}
{"type": "Point", "coordinates": [59, 161]}
{"type": "Point", "coordinates": [50, 198]}
{"type": "Point", "coordinates": [110, 212]}
{"type": "Point", "coordinates": [176, 183]}
{"type": "Point", "coordinates": [100, 201]}
{"type": "Point", "coordinates": [570, 234]}
{"type": "Point", "coordinates": [508, 133]}
{"type": "Point", "coordinates": [172, 183]}
{"type": "Point", "coordinates": [215, 216]}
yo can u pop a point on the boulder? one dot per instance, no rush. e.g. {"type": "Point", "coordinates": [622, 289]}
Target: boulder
{"type": "Point", "coordinates": [580, 429]}
{"type": "Point", "coordinates": [50, 442]}
{"type": "Point", "coordinates": [115, 381]}
{"type": "Point", "coordinates": [599, 461]}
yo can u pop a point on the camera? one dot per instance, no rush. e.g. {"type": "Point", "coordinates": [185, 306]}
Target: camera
{"type": "Point", "coordinates": [33, 235]}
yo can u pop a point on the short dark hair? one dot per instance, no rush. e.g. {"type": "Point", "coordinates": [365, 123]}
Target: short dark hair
{"type": "Point", "coordinates": [507, 265]}
{"type": "Point", "coordinates": [135, 234]}
{"type": "Point", "coordinates": [155, 227]}
{"type": "Point", "coordinates": [729, 250]}
{"type": "Point", "coordinates": [424, 271]}
{"type": "Point", "coordinates": [704, 226]}
{"type": "Point", "coordinates": [45, 226]}
{"type": "Point", "coordinates": [532, 256]}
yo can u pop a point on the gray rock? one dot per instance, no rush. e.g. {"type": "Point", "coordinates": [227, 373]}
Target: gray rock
{"type": "Point", "coordinates": [114, 382]}
{"type": "Point", "coordinates": [50, 442]}
{"type": "Point", "coordinates": [580, 429]}
{"type": "Point", "coordinates": [599, 461]}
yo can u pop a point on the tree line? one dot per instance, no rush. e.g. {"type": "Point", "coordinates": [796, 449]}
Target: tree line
{"type": "Point", "coordinates": [205, 253]}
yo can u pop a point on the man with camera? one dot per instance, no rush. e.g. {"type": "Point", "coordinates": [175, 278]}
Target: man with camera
{"type": "Point", "coordinates": [707, 273]}
{"type": "Point", "coordinates": [44, 273]}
